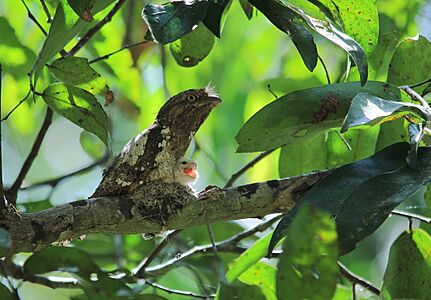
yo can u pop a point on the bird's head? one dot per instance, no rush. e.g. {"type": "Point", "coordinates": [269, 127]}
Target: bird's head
{"type": "Point", "coordinates": [186, 171]}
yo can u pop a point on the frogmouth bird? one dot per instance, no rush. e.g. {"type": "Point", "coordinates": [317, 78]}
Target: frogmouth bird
{"type": "Point", "coordinates": [156, 153]}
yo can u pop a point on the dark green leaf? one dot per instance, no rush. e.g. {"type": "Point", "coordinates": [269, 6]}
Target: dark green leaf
{"type": "Point", "coordinates": [82, 8]}
{"type": "Point", "coordinates": [404, 68]}
{"type": "Point", "coordinates": [193, 47]}
{"type": "Point", "coordinates": [408, 274]}
{"type": "Point", "coordinates": [367, 109]}
{"type": "Point", "coordinates": [108, 288]}
{"type": "Point", "coordinates": [65, 25]}
{"type": "Point", "coordinates": [64, 259]}
{"type": "Point", "coordinates": [288, 21]}
{"type": "Point", "coordinates": [238, 291]}
{"type": "Point", "coordinates": [5, 242]}
{"type": "Point", "coordinates": [5, 294]}
{"type": "Point", "coordinates": [301, 115]}
{"type": "Point", "coordinates": [308, 268]}
{"type": "Point", "coordinates": [171, 21]}
{"type": "Point", "coordinates": [78, 106]}
{"type": "Point", "coordinates": [76, 71]}
{"type": "Point", "coordinates": [212, 19]}
{"type": "Point", "coordinates": [247, 8]}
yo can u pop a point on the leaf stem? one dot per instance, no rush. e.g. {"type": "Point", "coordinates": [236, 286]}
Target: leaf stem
{"type": "Point", "coordinates": [33, 18]}
{"type": "Point", "coordinates": [106, 56]}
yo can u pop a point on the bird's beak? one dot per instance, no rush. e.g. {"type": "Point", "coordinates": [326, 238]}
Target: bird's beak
{"type": "Point", "coordinates": [211, 100]}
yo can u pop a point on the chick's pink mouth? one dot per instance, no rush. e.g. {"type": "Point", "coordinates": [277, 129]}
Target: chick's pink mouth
{"type": "Point", "coordinates": [190, 172]}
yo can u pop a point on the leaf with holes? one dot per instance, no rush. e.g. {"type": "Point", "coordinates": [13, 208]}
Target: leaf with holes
{"type": "Point", "coordinates": [78, 106]}
{"type": "Point", "coordinates": [171, 21]}
{"type": "Point", "coordinates": [288, 21]}
{"type": "Point", "coordinates": [408, 274]}
{"type": "Point", "coordinates": [308, 268]}
{"type": "Point", "coordinates": [368, 109]}
{"type": "Point", "coordinates": [301, 115]}
{"type": "Point", "coordinates": [193, 47]}
{"type": "Point", "coordinates": [77, 71]}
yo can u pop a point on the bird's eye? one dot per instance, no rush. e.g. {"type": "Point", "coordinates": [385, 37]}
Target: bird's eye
{"type": "Point", "coordinates": [183, 162]}
{"type": "Point", "coordinates": [191, 97]}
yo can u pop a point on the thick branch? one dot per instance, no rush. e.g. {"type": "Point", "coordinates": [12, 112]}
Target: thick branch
{"type": "Point", "coordinates": [157, 207]}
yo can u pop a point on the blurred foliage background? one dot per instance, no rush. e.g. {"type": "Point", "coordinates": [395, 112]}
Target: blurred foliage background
{"type": "Point", "coordinates": [250, 55]}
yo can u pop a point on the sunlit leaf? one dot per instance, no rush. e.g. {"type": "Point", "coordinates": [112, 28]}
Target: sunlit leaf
{"type": "Point", "coordinates": [263, 276]}
{"type": "Point", "coordinates": [78, 106]}
{"type": "Point", "coordinates": [171, 21]}
{"type": "Point", "coordinates": [410, 63]}
{"type": "Point", "coordinates": [238, 290]}
{"type": "Point", "coordinates": [299, 116]}
{"type": "Point", "coordinates": [193, 47]}
{"type": "Point", "coordinates": [76, 71]}
{"type": "Point", "coordinates": [289, 22]}
{"type": "Point", "coordinates": [308, 268]}
{"type": "Point", "coordinates": [64, 27]}
{"type": "Point", "coordinates": [212, 19]}
{"type": "Point", "coordinates": [408, 274]}
{"type": "Point", "coordinates": [370, 110]}
{"type": "Point", "coordinates": [91, 145]}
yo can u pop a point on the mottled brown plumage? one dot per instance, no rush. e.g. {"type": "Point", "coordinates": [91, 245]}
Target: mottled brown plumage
{"type": "Point", "coordinates": [153, 154]}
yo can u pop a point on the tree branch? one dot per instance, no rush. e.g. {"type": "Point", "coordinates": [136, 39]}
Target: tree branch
{"type": "Point", "coordinates": [96, 28]}
{"type": "Point", "coordinates": [33, 18]}
{"type": "Point", "coordinates": [177, 292]}
{"type": "Point", "coordinates": [157, 207]}
{"type": "Point", "coordinates": [2, 202]}
{"type": "Point", "coordinates": [11, 193]}
{"type": "Point", "coordinates": [410, 215]}
{"type": "Point", "coordinates": [106, 56]}
{"type": "Point", "coordinates": [16, 106]}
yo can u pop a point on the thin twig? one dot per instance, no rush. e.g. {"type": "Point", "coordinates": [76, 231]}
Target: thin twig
{"type": "Point", "coordinates": [217, 169]}
{"type": "Point", "coordinates": [410, 215]}
{"type": "Point", "coordinates": [272, 92]}
{"type": "Point", "coordinates": [33, 18]}
{"type": "Point", "coordinates": [16, 106]}
{"type": "Point", "coordinates": [238, 174]}
{"type": "Point", "coordinates": [328, 79]}
{"type": "Point", "coordinates": [2, 202]}
{"type": "Point", "coordinates": [177, 292]}
{"type": "Point", "coordinates": [147, 261]}
{"type": "Point", "coordinates": [46, 10]}
{"type": "Point", "coordinates": [355, 279]}
{"type": "Point", "coordinates": [96, 28]}
{"type": "Point", "coordinates": [415, 96]}
{"type": "Point", "coordinates": [55, 181]}
{"type": "Point", "coordinates": [106, 56]}
{"type": "Point", "coordinates": [420, 83]}
{"type": "Point", "coordinates": [11, 194]}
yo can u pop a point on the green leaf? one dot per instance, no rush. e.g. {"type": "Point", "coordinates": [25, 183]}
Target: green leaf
{"type": "Point", "coordinates": [368, 109]}
{"type": "Point", "coordinates": [64, 27]}
{"type": "Point", "coordinates": [379, 61]}
{"type": "Point", "coordinates": [5, 242]}
{"type": "Point", "coordinates": [360, 196]}
{"type": "Point", "coordinates": [82, 8]}
{"type": "Point", "coordinates": [342, 293]}
{"type": "Point", "coordinates": [263, 276]}
{"type": "Point", "coordinates": [238, 291]}
{"type": "Point", "coordinates": [91, 145]}
{"type": "Point", "coordinates": [404, 68]}
{"type": "Point", "coordinates": [213, 16]}
{"type": "Point", "coordinates": [64, 259]}
{"type": "Point", "coordinates": [5, 294]}
{"type": "Point", "coordinates": [193, 47]}
{"type": "Point", "coordinates": [15, 58]}
{"type": "Point", "coordinates": [308, 268]}
{"type": "Point", "coordinates": [171, 21]}
{"type": "Point", "coordinates": [78, 106]}
{"type": "Point", "coordinates": [247, 8]}
{"type": "Point", "coordinates": [408, 274]}
{"type": "Point", "coordinates": [36, 205]}
{"type": "Point", "coordinates": [301, 115]}
{"type": "Point", "coordinates": [248, 258]}
{"type": "Point", "coordinates": [76, 71]}
{"type": "Point", "coordinates": [289, 22]}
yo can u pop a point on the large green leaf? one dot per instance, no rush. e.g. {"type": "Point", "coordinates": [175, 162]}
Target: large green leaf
{"type": "Point", "coordinates": [213, 16]}
{"type": "Point", "coordinates": [78, 106]}
{"type": "Point", "coordinates": [408, 274]}
{"type": "Point", "coordinates": [368, 109]}
{"type": "Point", "coordinates": [5, 294]}
{"type": "Point", "coordinates": [238, 290]}
{"type": "Point", "coordinates": [411, 62]}
{"type": "Point", "coordinates": [262, 275]}
{"type": "Point", "coordinates": [301, 115]}
{"type": "Point", "coordinates": [308, 268]}
{"type": "Point", "coordinates": [171, 21]}
{"type": "Point", "coordinates": [76, 71]}
{"type": "Point", "coordinates": [285, 19]}
{"type": "Point", "coordinates": [82, 8]}
{"type": "Point", "coordinates": [193, 47]}
{"type": "Point", "coordinates": [64, 27]}
{"type": "Point", "coordinates": [361, 195]}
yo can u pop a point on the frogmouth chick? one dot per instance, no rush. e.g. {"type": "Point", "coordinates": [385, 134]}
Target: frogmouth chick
{"type": "Point", "coordinates": [186, 172]}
